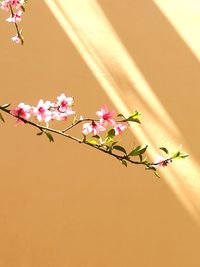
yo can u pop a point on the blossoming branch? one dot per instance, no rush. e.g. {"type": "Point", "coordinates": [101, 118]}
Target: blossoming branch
{"type": "Point", "coordinates": [99, 133]}
{"type": "Point", "coordinates": [16, 9]}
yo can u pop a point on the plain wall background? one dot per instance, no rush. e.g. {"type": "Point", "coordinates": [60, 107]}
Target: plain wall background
{"type": "Point", "coordinates": [63, 204]}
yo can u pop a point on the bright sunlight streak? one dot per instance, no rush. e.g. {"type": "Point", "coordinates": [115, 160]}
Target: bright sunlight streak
{"type": "Point", "coordinates": [184, 15]}
{"type": "Point", "coordinates": [93, 36]}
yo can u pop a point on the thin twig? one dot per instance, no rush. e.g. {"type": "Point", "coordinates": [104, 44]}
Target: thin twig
{"type": "Point", "coordinates": [16, 26]}
{"type": "Point", "coordinates": [86, 119]}
{"type": "Point", "coordinates": [82, 141]}
{"type": "Point", "coordinates": [76, 123]}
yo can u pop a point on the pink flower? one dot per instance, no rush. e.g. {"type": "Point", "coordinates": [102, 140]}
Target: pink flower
{"type": "Point", "coordinates": [92, 127]}
{"type": "Point", "coordinates": [106, 116]}
{"type": "Point", "coordinates": [16, 39]}
{"type": "Point", "coordinates": [17, 3]}
{"type": "Point", "coordinates": [22, 111]}
{"type": "Point", "coordinates": [64, 102]}
{"type": "Point", "coordinates": [120, 127]}
{"type": "Point", "coordinates": [5, 5]}
{"type": "Point", "coordinates": [60, 116]}
{"type": "Point", "coordinates": [42, 111]}
{"type": "Point", "coordinates": [16, 17]}
{"type": "Point", "coordinates": [161, 161]}
{"type": "Point", "coordinates": [14, 3]}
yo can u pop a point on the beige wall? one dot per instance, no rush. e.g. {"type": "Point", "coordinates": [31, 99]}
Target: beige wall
{"type": "Point", "coordinates": [63, 204]}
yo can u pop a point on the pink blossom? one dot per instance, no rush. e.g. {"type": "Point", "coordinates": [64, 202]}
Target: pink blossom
{"type": "Point", "coordinates": [16, 17]}
{"type": "Point", "coordinates": [64, 102]}
{"type": "Point", "coordinates": [92, 127]}
{"type": "Point", "coordinates": [14, 3]}
{"type": "Point", "coordinates": [22, 111]}
{"type": "Point", "coordinates": [106, 116]}
{"type": "Point", "coordinates": [120, 127]}
{"type": "Point", "coordinates": [16, 39]}
{"type": "Point", "coordinates": [60, 116]}
{"type": "Point", "coordinates": [5, 5]}
{"type": "Point", "coordinates": [17, 3]}
{"type": "Point", "coordinates": [161, 161]}
{"type": "Point", "coordinates": [42, 111]}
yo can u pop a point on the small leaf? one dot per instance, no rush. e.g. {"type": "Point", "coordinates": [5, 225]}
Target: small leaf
{"type": "Point", "coordinates": [40, 133]}
{"type": "Point", "coordinates": [96, 136]}
{"type": "Point", "coordinates": [110, 136]}
{"type": "Point", "coordinates": [124, 162]}
{"type": "Point", "coordinates": [92, 141]}
{"type": "Point", "coordinates": [184, 155]}
{"type": "Point", "coordinates": [164, 149]}
{"type": "Point", "coordinates": [156, 174]}
{"type": "Point", "coordinates": [138, 150]}
{"type": "Point", "coordinates": [150, 167]}
{"type": "Point", "coordinates": [134, 117]}
{"type": "Point", "coordinates": [111, 133]}
{"type": "Point", "coordinates": [111, 146]}
{"type": "Point", "coordinates": [121, 115]}
{"type": "Point", "coordinates": [179, 155]}
{"type": "Point", "coordinates": [114, 143]}
{"type": "Point", "coordinates": [120, 148]}
{"type": "Point", "coordinates": [176, 154]}
{"type": "Point", "coordinates": [84, 138]}
{"type": "Point", "coordinates": [1, 118]}
{"type": "Point", "coordinates": [108, 140]}
{"type": "Point", "coordinates": [50, 137]}
{"type": "Point", "coordinates": [74, 119]}
{"type": "Point", "coordinates": [5, 105]}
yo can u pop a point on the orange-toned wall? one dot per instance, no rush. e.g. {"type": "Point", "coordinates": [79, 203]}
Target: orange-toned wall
{"type": "Point", "coordinates": [66, 205]}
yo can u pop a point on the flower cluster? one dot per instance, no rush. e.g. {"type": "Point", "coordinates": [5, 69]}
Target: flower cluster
{"type": "Point", "coordinates": [61, 110]}
{"type": "Point", "coordinates": [45, 111]}
{"type": "Point", "coordinates": [105, 118]}
{"type": "Point", "coordinates": [16, 8]}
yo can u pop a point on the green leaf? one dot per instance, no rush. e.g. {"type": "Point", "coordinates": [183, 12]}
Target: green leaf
{"type": "Point", "coordinates": [124, 162]}
{"type": "Point", "coordinates": [74, 119]}
{"type": "Point", "coordinates": [179, 155]}
{"type": "Point", "coordinates": [150, 167]}
{"type": "Point", "coordinates": [121, 115]}
{"type": "Point", "coordinates": [111, 133]}
{"type": "Point", "coordinates": [164, 149]}
{"type": "Point", "coordinates": [111, 146]}
{"type": "Point", "coordinates": [114, 143]}
{"type": "Point", "coordinates": [84, 138]}
{"type": "Point", "coordinates": [139, 150]}
{"type": "Point", "coordinates": [50, 137]}
{"type": "Point", "coordinates": [96, 136]}
{"type": "Point", "coordinates": [176, 154]}
{"type": "Point", "coordinates": [108, 140]}
{"type": "Point", "coordinates": [110, 136]}
{"type": "Point", "coordinates": [92, 141]}
{"type": "Point", "coordinates": [134, 117]}
{"type": "Point", "coordinates": [40, 133]}
{"type": "Point", "coordinates": [184, 155]}
{"type": "Point", "coordinates": [156, 174]}
{"type": "Point", "coordinates": [120, 148]}
{"type": "Point", "coordinates": [5, 105]}
{"type": "Point", "coordinates": [1, 118]}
